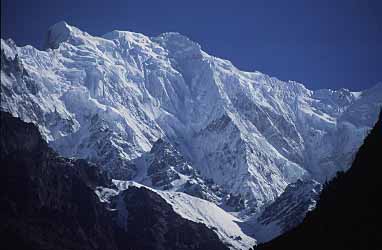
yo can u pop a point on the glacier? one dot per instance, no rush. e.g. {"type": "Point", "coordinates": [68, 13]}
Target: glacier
{"type": "Point", "coordinates": [109, 99]}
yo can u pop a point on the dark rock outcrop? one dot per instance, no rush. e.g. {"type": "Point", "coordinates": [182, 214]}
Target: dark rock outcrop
{"type": "Point", "coordinates": [165, 164]}
{"type": "Point", "coordinates": [151, 223]}
{"type": "Point", "coordinates": [49, 202]}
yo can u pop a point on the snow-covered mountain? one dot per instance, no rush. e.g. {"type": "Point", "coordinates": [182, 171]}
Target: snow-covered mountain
{"type": "Point", "coordinates": [108, 99]}
{"type": "Point", "coordinates": [347, 214]}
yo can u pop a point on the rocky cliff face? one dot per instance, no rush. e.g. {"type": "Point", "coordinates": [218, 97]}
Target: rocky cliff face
{"type": "Point", "coordinates": [50, 202]}
{"type": "Point", "coordinates": [165, 168]}
{"type": "Point", "coordinates": [109, 99]}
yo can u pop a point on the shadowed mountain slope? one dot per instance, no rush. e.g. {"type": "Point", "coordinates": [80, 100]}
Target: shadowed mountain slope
{"type": "Point", "coordinates": [349, 209]}
{"type": "Point", "coordinates": [49, 202]}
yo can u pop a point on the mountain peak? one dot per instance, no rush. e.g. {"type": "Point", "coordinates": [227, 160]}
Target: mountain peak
{"type": "Point", "coordinates": [58, 33]}
{"type": "Point", "coordinates": [178, 44]}
{"type": "Point", "coordinates": [128, 35]}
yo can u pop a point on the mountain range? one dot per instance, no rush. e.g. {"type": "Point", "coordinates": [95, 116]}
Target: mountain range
{"type": "Point", "coordinates": [162, 113]}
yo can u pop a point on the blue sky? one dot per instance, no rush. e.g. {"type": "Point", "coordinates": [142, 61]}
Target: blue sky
{"type": "Point", "coordinates": [323, 44]}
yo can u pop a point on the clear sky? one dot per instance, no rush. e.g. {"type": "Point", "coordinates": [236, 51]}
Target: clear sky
{"type": "Point", "coordinates": [321, 43]}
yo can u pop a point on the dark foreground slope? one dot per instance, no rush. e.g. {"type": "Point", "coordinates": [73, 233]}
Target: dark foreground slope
{"type": "Point", "coordinates": [348, 213]}
{"type": "Point", "coordinates": [48, 202]}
